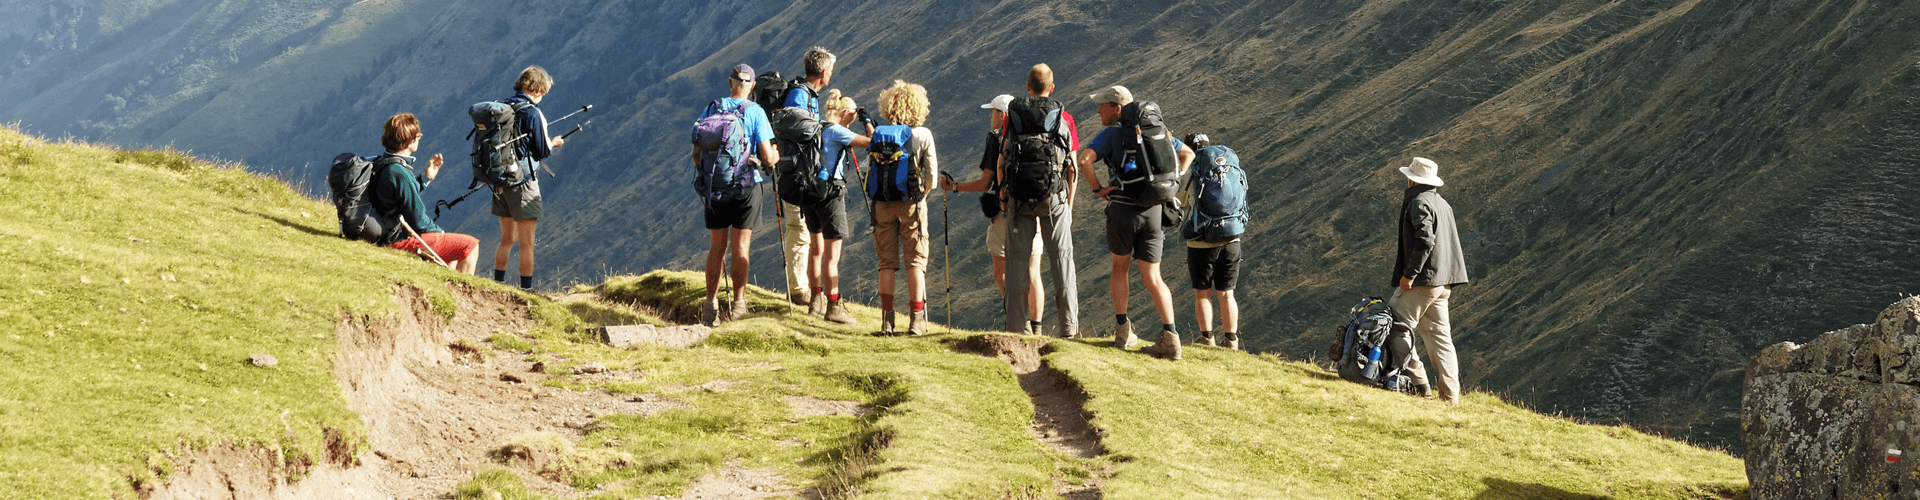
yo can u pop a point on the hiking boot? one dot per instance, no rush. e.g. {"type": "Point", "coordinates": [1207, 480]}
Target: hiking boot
{"type": "Point", "coordinates": [798, 298]}
{"type": "Point", "coordinates": [886, 322]}
{"type": "Point", "coordinates": [817, 306]}
{"type": "Point", "coordinates": [1123, 338]}
{"type": "Point", "coordinates": [739, 309]}
{"type": "Point", "coordinates": [838, 314]}
{"type": "Point", "coordinates": [917, 324]}
{"type": "Point", "coordinates": [1167, 348]}
{"type": "Point", "coordinates": [1421, 391]}
{"type": "Point", "coordinates": [1233, 340]}
{"type": "Point", "coordinates": [1206, 339]}
{"type": "Point", "coordinates": [710, 313]}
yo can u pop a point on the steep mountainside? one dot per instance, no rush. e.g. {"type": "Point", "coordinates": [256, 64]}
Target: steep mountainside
{"type": "Point", "coordinates": [1650, 191]}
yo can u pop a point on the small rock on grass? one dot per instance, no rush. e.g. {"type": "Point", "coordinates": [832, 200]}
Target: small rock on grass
{"type": "Point", "coordinates": [594, 367]}
{"type": "Point", "coordinates": [263, 360]}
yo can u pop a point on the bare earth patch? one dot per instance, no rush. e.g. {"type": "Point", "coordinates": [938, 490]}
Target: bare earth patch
{"type": "Point", "coordinates": [1059, 406]}
{"type": "Point", "coordinates": [809, 406]}
{"type": "Point", "coordinates": [735, 482]}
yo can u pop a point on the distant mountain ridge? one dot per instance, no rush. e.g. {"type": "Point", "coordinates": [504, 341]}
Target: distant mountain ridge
{"type": "Point", "coordinates": [1650, 191]}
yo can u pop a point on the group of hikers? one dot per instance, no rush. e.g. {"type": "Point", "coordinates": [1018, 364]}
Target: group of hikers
{"type": "Point", "coordinates": [797, 139]}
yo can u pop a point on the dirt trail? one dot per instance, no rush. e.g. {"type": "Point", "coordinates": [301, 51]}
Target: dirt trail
{"type": "Point", "coordinates": [1059, 407]}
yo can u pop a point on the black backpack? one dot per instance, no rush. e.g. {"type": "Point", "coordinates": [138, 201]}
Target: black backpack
{"type": "Point", "coordinates": [496, 136]}
{"type": "Point", "coordinates": [1144, 165]}
{"type": "Point", "coordinates": [351, 179]}
{"type": "Point", "coordinates": [1036, 151]}
{"type": "Point", "coordinates": [770, 91]}
{"type": "Point", "coordinates": [802, 171]}
{"type": "Point", "coordinates": [1359, 351]}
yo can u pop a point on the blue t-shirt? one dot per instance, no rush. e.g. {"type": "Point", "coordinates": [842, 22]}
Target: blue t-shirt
{"type": "Point", "coordinates": [1107, 144]}
{"type": "Point", "coordinates": [838, 139]}
{"type": "Point", "coordinates": [759, 129]}
{"type": "Point", "coordinates": [800, 97]}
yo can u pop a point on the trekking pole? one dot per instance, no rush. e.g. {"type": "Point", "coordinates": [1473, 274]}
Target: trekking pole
{"type": "Point", "coordinates": [576, 128]}
{"type": "Point", "coordinates": [786, 271]}
{"type": "Point", "coordinates": [423, 245]}
{"type": "Point", "coordinates": [946, 248]}
{"type": "Point", "coordinates": [456, 201]}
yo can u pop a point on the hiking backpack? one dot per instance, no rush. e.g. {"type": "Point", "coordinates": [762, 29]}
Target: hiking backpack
{"type": "Point", "coordinates": [770, 91]}
{"type": "Point", "coordinates": [803, 174]}
{"type": "Point", "coordinates": [496, 136]}
{"type": "Point", "coordinates": [1144, 165]}
{"type": "Point", "coordinates": [1219, 190]}
{"type": "Point", "coordinates": [1359, 351]}
{"type": "Point", "coordinates": [351, 179]}
{"type": "Point", "coordinates": [896, 173]}
{"type": "Point", "coordinates": [1036, 149]}
{"type": "Point", "coordinates": [723, 172]}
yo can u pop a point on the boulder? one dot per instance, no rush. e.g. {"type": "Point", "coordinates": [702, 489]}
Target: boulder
{"type": "Point", "coordinates": [1834, 418]}
{"type": "Point", "coordinates": [630, 336]}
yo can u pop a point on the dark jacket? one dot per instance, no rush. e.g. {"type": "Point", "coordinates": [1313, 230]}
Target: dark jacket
{"type": "Point", "coordinates": [1429, 242]}
{"type": "Point", "coordinates": [534, 148]}
{"type": "Point", "coordinates": [396, 193]}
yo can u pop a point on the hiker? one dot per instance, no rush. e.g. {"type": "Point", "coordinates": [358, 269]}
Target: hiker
{"type": "Point", "coordinates": [730, 131]}
{"type": "Point", "coordinates": [396, 194]}
{"type": "Point", "coordinates": [805, 95]}
{"type": "Point", "coordinates": [1134, 220]}
{"type": "Point", "coordinates": [990, 204]}
{"type": "Point", "coordinates": [1036, 181]}
{"type": "Point", "coordinates": [518, 207]}
{"type": "Point", "coordinates": [827, 221]}
{"type": "Point", "coordinates": [903, 166]}
{"type": "Point", "coordinates": [1425, 270]}
{"type": "Point", "coordinates": [1217, 191]}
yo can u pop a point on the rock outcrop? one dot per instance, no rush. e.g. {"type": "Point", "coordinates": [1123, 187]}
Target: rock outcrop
{"type": "Point", "coordinates": [1834, 418]}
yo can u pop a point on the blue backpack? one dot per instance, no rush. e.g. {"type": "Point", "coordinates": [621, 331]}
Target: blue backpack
{"type": "Point", "coordinates": [723, 172]}
{"type": "Point", "coordinates": [1359, 351]}
{"type": "Point", "coordinates": [1219, 189]}
{"type": "Point", "coordinates": [896, 173]}
{"type": "Point", "coordinates": [496, 136]}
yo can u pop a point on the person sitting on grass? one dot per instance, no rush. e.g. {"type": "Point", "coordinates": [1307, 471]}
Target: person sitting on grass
{"type": "Point", "coordinates": [396, 194]}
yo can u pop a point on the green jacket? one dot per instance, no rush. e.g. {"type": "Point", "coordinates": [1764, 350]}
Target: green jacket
{"type": "Point", "coordinates": [396, 193]}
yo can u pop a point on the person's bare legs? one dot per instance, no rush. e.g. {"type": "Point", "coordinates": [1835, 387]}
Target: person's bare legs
{"type": "Point", "coordinates": [526, 242]}
{"type": "Point", "coordinates": [716, 255]}
{"type": "Point", "coordinates": [739, 241]}
{"type": "Point", "coordinates": [1157, 289]}
{"type": "Point", "coordinates": [1203, 309]}
{"type": "Point", "coordinates": [505, 249]}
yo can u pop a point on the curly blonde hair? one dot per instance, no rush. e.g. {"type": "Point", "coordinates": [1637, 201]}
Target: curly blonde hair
{"type": "Point", "coordinates": [835, 103]}
{"type": "Point", "coordinates": [904, 104]}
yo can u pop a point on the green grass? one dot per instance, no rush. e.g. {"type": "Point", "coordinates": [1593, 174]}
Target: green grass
{"type": "Point", "coordinates": [137, 284]}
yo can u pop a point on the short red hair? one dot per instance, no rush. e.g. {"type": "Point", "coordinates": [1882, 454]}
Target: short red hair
{"type": "Point", "coordinates": [402, 129]}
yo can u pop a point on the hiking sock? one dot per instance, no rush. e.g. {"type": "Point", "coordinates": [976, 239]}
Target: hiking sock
{"type": "Point", "coordinates": [919, 305]}
{"type": "Point", "coordinates": [834, 297]}
{"type": "Point", "coordinates": [1169, 328]}
{"type": "Point", "coordinates": [1035, 325]}
{"type": "Point", "coordinates": [816, 290]}
{"type": "Point", "coordinates": [500, 276]}
{"type": "Point", "coordinates": [1206, 335]}
{"type": "Point", "coordinates": [1119, 319]}
{"type": "Point", "coordinates": [526, 282]}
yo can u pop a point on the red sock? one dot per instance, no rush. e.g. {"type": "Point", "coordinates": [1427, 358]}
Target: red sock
{"type": "Point", "coordinates": [816, 290]}
{"type": "Point", "coordinates": [919, 305]}
{"type": "Point", "coordinates": [833, 297]}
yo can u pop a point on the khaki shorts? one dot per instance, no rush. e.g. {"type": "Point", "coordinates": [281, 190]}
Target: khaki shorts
{"type": "Point", "coordinates": [997, 239]}
{"type": "Point", "coordinates": [900, 227]}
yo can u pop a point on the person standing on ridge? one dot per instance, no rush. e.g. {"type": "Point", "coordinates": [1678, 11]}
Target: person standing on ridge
{"type": "Point", "coordinates": [990, 203]}
{"type": "Point", "coordinates": [903, 162]}
{"type": "Point", "coordinates": [733, 130]}
{"type": "Point", "coordinates": [1425, 270]}
{"type": "Point", "coordinates": [396, 194]}
{"type": "Point", "coordinates": [1217, 191]}
{"type": "Point", "coordinates": [1036, 181]}
{"type": "Point", "coordinates": [827, 222]}
{"type": "Point", "coordinates": [794, 246]}
{"type": "Point", "coordinates": [518, 207]}
{"type": "Point", "coordinates": [1134, 231]}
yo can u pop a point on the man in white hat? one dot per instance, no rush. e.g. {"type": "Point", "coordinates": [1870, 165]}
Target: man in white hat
{"type": "Point", "coordinates": [990, 203]}
{"type": "Point", "coordinates": [1428, 266]}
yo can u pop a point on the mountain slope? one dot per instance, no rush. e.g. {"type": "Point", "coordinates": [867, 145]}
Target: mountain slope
{"type": "Point", "coordinates": [1650, 191]}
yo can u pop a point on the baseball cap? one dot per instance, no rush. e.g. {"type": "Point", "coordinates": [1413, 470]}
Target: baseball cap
{"type": "Point", "coordinates": [999, 103]}
{"type": "Point", "coordinates": [1116, 94]}
{"type": "Point", "coordinates": [742, 73]}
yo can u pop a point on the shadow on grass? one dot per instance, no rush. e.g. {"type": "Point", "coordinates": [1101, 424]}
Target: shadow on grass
{"type": "Point", "coordinates": [284, 222]}
{"type": "Point", "coordinates": [1501, 489]}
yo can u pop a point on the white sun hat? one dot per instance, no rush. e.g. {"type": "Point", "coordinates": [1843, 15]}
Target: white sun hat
{"type": "Point", "coordinates": [1423, 171]}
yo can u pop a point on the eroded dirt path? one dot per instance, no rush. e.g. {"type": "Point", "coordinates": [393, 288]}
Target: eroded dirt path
{"type": "Point", "coordinates": [1059, 408]}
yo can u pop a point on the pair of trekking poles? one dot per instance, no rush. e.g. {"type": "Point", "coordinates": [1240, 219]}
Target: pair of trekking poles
{"type": "Point", "coordinates": [510, 143]}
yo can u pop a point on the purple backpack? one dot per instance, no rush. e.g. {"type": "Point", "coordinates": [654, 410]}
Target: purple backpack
{"type": "Point", "coordinates": [723, 174]}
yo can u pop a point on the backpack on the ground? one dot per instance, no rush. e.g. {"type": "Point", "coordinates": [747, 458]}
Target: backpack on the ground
{"type": "Point", "coordinates": [1219, 190]}
{"type": "Point", "coordinates": [896, 173]}
{"type": "Point", "coordinates": [1359, 351]}
{"type": "Point", "coordinates": [351, 179]}
{"type": "Point", "coordinates": [1036, 151]}
{"type": "Point", "coordinates": [804, 173]}
{"type": "Point", "coordinates": [723, 172]}
{"type": "Point", "coordinates": [496, 151]}
{"type": "Point", "coordinates": [1144, 164]}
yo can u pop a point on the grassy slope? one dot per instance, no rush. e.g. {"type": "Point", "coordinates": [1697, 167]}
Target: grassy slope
{"type": "Point", "coordinates": [145, 279]}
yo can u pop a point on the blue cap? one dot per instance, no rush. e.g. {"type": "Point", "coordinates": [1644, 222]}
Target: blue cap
{"type": "Point", "coordinates": [742, 73]}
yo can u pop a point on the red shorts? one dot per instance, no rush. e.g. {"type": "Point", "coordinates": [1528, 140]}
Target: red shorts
{"type": "Point", "coordinates": [450, 246]}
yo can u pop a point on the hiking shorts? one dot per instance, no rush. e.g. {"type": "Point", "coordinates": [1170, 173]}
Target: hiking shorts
{"type": "Point", "coordinates": [520, 202]}
{"type": "Point", "coordinates": [828, 219]}
{"type": "Point", "coordinates": [738, 214]}
{"type": "Point", "coordinates": [449, 246]}
{"type": "Point", "coordinates": [1216, 268]}
{"type": "Point", "coordinates": [900, 227]}
{"type": "Point", "coordinates": [1134, 231]}
{"type": "Point", "coordinates": [997, 239]}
